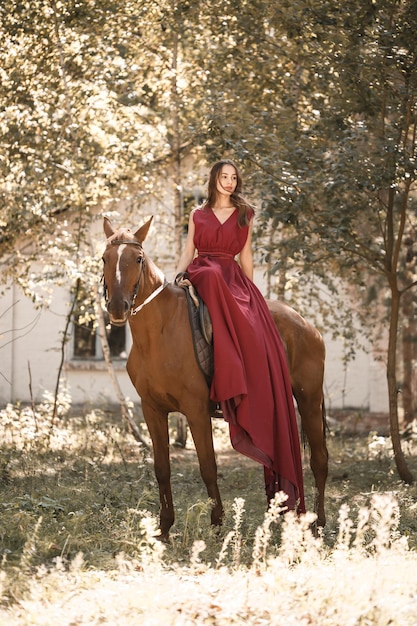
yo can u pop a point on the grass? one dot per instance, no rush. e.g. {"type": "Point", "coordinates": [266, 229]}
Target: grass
{"type": "Point", "coordinates": [79, 505]}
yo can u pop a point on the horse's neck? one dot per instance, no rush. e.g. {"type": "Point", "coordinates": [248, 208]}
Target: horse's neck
{"type": "Point", "coordinates": [154, 278]}
{"type": "Point", "coordinates": [160, 309]}
{"type": "Point", "coordinates": [147, 325]}
{"type": "Point", "coordinates": [145, 312]}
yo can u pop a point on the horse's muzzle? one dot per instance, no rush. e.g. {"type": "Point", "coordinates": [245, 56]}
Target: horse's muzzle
{"type": "Point", "coordinates": [118, 311]}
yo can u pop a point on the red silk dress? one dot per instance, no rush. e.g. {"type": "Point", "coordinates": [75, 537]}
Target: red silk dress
{"type": "Point", "coordinates": [251, 379]}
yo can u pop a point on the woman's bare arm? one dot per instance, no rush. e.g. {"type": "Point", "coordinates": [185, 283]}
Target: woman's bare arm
{"type": "Point", "coordinates": [246, 257]}
{"type": "Point", "coordinates": [188, 252]}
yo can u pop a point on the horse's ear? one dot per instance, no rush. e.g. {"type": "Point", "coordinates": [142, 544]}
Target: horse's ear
{"type": "Point", "coordinates": [108, 228]}
{"type": "Point", "coordinates": [140, 234]}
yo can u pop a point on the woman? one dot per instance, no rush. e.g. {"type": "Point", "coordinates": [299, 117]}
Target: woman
{"type": "Point", "coordinates": [251, 380]}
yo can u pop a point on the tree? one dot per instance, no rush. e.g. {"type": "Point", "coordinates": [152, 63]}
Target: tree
{"type": "Point", "coordinates": [330, 120]}
{"type": "Point", "coordinates": [363, 199]}
{"type": "Point", "coordinates": [315, 98]}
{"type": "Point", "coordinates": [66, 139]}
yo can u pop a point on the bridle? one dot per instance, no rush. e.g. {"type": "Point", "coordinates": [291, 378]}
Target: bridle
{"type": "Point", "coordinates": [133, 311]}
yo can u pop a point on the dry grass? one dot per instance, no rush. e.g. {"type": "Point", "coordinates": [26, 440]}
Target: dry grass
{"type": "Point", "coordinates": [79, 510]}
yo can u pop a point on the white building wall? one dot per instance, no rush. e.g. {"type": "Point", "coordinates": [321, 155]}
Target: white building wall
{"type": "Point", "coordinates": [31, 355]}
{"type": "Point", "coordinates": [7, 345]}
{"type": "Point", "coordinates": [30, 338]}
{"type": "Point", "coordinates": [361, 383]}
{"type": "Point", "coordinates": [378, 385]}
{"type": "Point", "coordinates": [93, 386]}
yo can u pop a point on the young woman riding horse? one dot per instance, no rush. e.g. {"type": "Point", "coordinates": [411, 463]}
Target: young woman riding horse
{"type": "Point", "coordinates": [257, 368]}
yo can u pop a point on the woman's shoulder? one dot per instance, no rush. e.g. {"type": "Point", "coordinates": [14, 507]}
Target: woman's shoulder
{"type": "Point", "coordinates": [196, 215]}
{"type": "Point", "coordinates": [199, 211]}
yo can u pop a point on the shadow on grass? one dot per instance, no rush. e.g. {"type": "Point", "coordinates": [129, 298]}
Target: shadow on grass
{"type": "Point", "coordinates": [91, 497]}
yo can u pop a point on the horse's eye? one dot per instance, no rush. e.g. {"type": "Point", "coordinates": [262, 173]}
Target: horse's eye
{"type": "Point", "coordinates": [139, 259]}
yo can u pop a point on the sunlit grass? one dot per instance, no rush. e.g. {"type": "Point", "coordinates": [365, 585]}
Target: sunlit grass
{"type": "Point", "coordinates": [79, 510]}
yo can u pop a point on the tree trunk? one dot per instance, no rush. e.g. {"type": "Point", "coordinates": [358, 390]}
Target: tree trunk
{"type": "Point", "coordinates": [181, 436]}
{"type": "Point", "coordinates": [408, 336]}
{"type": "Point", "coordinates": [400, 461]}
{"type": "Point", "coordinates": [176, 153]}
{"type": "Point", "coordinates": [65, 337]}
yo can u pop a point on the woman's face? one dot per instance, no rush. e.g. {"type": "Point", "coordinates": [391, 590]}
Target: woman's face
{"type": "Point", "coordinates": [227, 180]}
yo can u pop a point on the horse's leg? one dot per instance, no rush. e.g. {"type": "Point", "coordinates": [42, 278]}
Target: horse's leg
{"type": "Point", "coordinates": [311, 409]}
{"type": "Point", "coordinates": [200, 426]}
{"type": "Point", "coordinates": [157, 423]}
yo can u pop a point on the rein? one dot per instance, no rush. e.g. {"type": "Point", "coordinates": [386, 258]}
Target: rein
{"type": "Point", "coordinates": [150, 297]}
{"type": "Point", "coordinates": [120, 242]}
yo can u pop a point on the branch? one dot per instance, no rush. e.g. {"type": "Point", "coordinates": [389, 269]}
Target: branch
{"type": "Point", "coordinates": [410, 286]}
{"type": "Point", "coordinates": [29, 328]}
{"type": "Point", "coordinates": [81, 183]}
{"type": "Point", "coordinates": [65, 336]}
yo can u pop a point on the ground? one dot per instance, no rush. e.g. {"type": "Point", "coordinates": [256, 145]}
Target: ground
{"type": "Point", "coordinates": [79, 505]}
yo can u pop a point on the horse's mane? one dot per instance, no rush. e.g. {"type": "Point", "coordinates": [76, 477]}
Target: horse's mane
{"type": "Point", "coordinates": [123, 234]}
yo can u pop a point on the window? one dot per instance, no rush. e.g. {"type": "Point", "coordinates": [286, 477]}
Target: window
{"type": "Point", "coordinates": [84, 339]}
{"type": "Point", "coordinates": [190, 201]}
{"type": "Point", "coordinates": [116, 337]}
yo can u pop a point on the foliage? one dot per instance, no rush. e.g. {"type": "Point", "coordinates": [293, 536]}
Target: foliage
{"type": "Point", "coordinates": [313, 103]}
{"type": "Point", "coordinates": [78, 523]}
{"type": "Point", "coordinates": [35, 423]}
{"type": "Point", "coordinates": [101, 101]}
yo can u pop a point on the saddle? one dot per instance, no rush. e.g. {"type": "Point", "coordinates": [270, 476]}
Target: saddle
{"type": "Point", "coordinates": [201, 327]}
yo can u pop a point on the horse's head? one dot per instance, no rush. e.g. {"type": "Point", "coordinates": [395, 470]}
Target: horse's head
{"type": "Point", "coordinates": [124, 268]}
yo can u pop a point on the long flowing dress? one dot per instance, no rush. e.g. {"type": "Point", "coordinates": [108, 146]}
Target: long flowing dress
{"type": "Point", "coordinates": [251, 379]}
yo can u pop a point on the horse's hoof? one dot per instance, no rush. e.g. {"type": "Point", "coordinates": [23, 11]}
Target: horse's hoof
{"type": "Point", "coordinates": [163, 537]}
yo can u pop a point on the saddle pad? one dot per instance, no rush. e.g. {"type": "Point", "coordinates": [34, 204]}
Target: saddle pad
{"type": "Point", "coordinates": [202, 349]}
{"type": "Point", "coordinates": [201, 329]}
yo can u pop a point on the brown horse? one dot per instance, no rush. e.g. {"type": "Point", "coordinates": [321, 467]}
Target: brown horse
{"type": "Point", "coordinates": [163, 367]}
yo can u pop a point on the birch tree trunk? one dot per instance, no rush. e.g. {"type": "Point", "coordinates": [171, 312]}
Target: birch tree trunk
{"type": "Point", "coordinates": [181, 422]}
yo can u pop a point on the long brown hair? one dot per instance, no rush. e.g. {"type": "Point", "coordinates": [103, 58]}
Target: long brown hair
{"type": "Point", "coordinates": [246, 210]}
